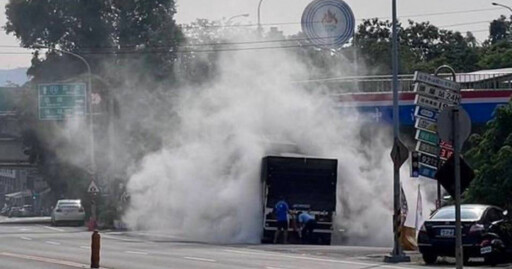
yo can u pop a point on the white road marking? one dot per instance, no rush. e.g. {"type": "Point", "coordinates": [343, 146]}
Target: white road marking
{"type": "Point", "coordinates": [52, 243]}
{"type": "Point", "coordinates": [26, 238]}
{"type": "Point", "coordinates": [199, 259]}
{"type": "Point", "coordinates": [136, 252]}
{"type": "Point", "coordinates": [85, 247]}
{"type": "Point", "coordinates": [117, 238]}
{"type": "Point", "coordinates": [315, 259]}
{"type": "Point", "coordinates": [270, 267]}
{"type": "Point", "coordinates": [24, 229]}
{"type": "Point", "coordinates": [52, 228]}
{"type": "Point", "coordinates": [45, 260]}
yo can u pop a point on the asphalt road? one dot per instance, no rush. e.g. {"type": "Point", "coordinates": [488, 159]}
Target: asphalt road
{"type": "Point", "coordinates": [43, 246]}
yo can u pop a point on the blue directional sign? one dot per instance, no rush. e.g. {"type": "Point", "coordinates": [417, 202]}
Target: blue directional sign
{"type": "Point", "coordinates": [62, 100]}
{"type": "Point", "coordinates": [426, 113]}
{"type": "Point", "coordinates": [426, 171]}
{"type": "Point", "coordinates": [328, 23]}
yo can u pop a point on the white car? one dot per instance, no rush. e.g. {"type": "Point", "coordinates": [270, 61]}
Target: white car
{"type": "Point", "coordinates": [68, 211]}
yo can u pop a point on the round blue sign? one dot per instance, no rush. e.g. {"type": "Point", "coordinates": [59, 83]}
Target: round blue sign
{"type": "Point", "coordinates": [328, 23]}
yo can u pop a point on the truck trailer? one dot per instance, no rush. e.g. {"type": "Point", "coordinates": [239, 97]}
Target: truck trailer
{"type": "Point", "coordinates": [307, 184]}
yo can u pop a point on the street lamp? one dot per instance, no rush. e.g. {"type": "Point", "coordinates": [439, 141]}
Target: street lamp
{"type": "Point", "coordinates": [259, 16]}
{"type": "Point", "coordinates": [501, 5]}
{"type": "Point", "coordinates": [237, 16]}
{"type": "Point", "coordinates": [89, 75]}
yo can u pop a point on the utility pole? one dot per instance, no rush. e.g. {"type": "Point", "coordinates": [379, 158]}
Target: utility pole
{"type": "Point", "coordinates": [397, 254]}
{"type": "Point", "coordinates": [92, 155]}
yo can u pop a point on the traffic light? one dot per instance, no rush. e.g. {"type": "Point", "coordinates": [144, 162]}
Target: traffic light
{"type": "Point", "coordinates": [415, 164]}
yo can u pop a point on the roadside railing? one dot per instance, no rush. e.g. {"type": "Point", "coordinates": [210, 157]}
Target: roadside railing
{"type": "Point", "coordinates": [383, 83]}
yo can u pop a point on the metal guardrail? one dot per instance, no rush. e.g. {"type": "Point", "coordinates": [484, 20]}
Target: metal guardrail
{"type": "Point", "coordinates": [383, 83]}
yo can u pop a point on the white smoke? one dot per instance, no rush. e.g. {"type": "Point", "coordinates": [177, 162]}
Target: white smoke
{"type": "Point", "coordinates": [205, 182]}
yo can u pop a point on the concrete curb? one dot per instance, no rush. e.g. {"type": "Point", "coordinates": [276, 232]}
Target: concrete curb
{"type": "Point", "coordinates": [14, 221]}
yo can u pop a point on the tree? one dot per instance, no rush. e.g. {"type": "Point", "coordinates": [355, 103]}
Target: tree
{"type": "Point", "coordinates": [496, 55]}
{"type": "Point", "coordinates": [143, 32]}
{"type": "Point", "coordinates": [373, 39]}
{"type": "Point", "coordinates": [126, 42]}
{"type": "Point", "coordinates": [499, 30]}
{"type": "Point", "coordinates": [422, 46]}
{"type": "Point", "coordinates": [491, 157]}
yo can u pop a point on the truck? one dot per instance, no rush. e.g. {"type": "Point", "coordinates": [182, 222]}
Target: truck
{"type": "Point", "coordinates": [307, 184]}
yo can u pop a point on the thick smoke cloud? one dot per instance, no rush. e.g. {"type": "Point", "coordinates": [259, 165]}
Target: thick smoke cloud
{"type": "Point", "coordinates": [204, 183]}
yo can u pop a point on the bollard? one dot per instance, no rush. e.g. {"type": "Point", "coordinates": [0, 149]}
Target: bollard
{"type": "Point", "coordinates": [95, 249]}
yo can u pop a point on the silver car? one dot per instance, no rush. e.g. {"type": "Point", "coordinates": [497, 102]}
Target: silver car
{"type": "Point", "coordinates": [68, 211]}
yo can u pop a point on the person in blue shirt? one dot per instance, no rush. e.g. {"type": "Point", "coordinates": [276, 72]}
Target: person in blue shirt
{"type": "Point", "coordinates": [308, 224]}
{"type": "Point", "coordinates": [281, 211]}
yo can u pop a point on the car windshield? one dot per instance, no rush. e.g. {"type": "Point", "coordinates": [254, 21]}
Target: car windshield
{"type": "Point", "coordinates": [467, 213]}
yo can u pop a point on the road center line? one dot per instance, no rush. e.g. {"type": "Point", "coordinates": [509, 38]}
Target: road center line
{"type": "Point", "coordinates": [26, 238]}
{"type": "Point", "coordinates": [263, 253]}
{"type": "Point", "coordinates": [136, 252]}
{"type": "Point", "coordinates": [45, 260]}
{"type": "Point", "coordinates": [52, 243]}
{"type": "Point", "coordinates": [199, 259]}
{"type": "Point", "coordinates": [52, 228]}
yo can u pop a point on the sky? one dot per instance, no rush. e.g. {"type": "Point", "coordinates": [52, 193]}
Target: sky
{"type": "Point", "coordinates": [449, 14]}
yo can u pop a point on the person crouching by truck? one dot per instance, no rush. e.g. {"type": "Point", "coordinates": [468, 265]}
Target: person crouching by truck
{"type": "Point", "coordinates": [307, 226]}
{"type": "Point", "coordinates": [281, 211]}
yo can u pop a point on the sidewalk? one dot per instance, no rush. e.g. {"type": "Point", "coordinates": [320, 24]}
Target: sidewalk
{"type": "Point", "coordinates": [25, 220]}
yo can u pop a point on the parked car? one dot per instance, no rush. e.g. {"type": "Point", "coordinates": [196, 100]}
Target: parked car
{"type": "Point", "coordinates": [15, 211]}
{"type": "Point", "coordinates": [5, 211]}
{"type": "Point", "coordinates": [26, 211]}
{"type": "Point", "coordinates": [68, 211]}
{"type": "Point", "coordinates": [496, 245]}
{"type": "Point", "coordinates": [437, 235]}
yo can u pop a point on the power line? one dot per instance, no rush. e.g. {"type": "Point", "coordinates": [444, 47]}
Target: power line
{"type": "Point", "coordinates": [449, 12]}
{"type": "Point", "coordinates": [252, 42]}
{"type": "Point", "coordinates": [380, 18]}
{"type": "Point", "coordinates": [202, 44]}
{"type": "Point", "coordinates": [180, 51]}
{"type": "Point", "coordinates": [186, 48]}
{"type": "Point", "coordinates": [463, 24]}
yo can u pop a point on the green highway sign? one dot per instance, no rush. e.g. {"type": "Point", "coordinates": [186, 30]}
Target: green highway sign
{"type": "Point", "coordinates": [427, 125]}
{"type": "Point", "coordinates": [427, 148]}
{"type": "Point", "coordinates": [62, 100]}
{"type": "Point", "coordinates": [427, 137]}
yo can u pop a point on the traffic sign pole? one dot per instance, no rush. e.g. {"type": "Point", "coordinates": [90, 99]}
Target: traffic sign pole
{"type": "Point", "coordinates": [456, 153]}
{"type": "Point", "coordinates": [454, 77]}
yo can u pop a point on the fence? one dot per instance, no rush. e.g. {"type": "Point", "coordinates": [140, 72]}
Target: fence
{"type": "Point", "coordinates": [383, 83]}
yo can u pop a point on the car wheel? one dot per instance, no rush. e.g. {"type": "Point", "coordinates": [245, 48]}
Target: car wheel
{"type": "Point", "coordinates": [465, 260]}
{"type": "Point", "coordinates": [490, 260]}
{"type": "Point", "coordinates": [429, 258]}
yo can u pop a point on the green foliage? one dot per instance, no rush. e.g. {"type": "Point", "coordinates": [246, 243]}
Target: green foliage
{"type": "Point", "coordinates": [496, 55]}
{"type": "Point", "coordinates": [499, 30]}
{"type": "Point", "coordinates": [121, 40]}
{"type": "Point", "coordinates": [422, 46]}
{"type": "Point", "coordinates": [491, 157]}
{"type": "Point", "coordinates": [102, 31]}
